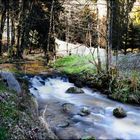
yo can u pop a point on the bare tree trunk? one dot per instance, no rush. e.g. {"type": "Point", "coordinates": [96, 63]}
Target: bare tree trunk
{"type": "Point", "coordinates": [111, 32]}
{"type": "Point", "coordinates": [47, 50]}
{"type": "Point", "coordinates": [67, 37]}
{"type": "Point", "coordinates": [18, 40]}
{"type": "Point", "coordinates": [109, 38]}
{"type": "Point", "coordinates": [127, 24]}
{"type": "Point", "coordinates": [8, 25]}
{"type": "Point", "coordinates": [2, 22]}
{"type": "Point", "coordinates": [19, 32]}
{"type": "Point", "coordinates": [68, 30]}
{"type": "Point", "coordinates": [99, 68]}
{"type": "Point", "coordinates": [107, 46]}
{"type": "Point", "coordinates": [12, 32]}
{"type": "Point", "coordinates": [50, 26]}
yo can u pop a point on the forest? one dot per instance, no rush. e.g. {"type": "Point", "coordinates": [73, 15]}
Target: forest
{"type": "Point", "coordinates": [69, 69]}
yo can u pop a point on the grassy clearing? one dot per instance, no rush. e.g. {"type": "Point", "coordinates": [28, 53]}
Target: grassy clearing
{"type": "Point", "coordinates": [74, 64]}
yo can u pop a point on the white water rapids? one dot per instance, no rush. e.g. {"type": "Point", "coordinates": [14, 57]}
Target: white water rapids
{"type": "Point", "coordinates": [100, 123]}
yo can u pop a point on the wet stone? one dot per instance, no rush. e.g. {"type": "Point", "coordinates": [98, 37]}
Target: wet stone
{"type": "Point", "coordinates": [88, 138]}
{"type": "Point", "coordinates": [84, 112]}
{"type": "Point", "coordinates": [69, 108]}
{"type": "Point", "coordinates": [74, 90]}
{"type": "Point", "coordinates": [63, 124]}
{"type": "Point", "coordinates": [119, 112]}
{"type": "Point", "coordinates": [42, 82]}
{"type": "Point", "coordinates": [35, 88]}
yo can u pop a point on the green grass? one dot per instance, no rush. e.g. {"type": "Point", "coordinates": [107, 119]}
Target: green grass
{"type": "Point", "coordinates": [9, 110]}
{"type": "Point", "coordinates": [2, 87]}
{"type": "Point", "coordinates": [74, 64]}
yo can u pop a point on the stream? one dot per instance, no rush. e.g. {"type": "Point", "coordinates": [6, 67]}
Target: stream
{"type": "Point", "coordinates": [100, 123]}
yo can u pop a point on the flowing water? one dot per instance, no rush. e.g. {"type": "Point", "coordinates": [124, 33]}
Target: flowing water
{"type": "Point", "coordinates": [100, 123]}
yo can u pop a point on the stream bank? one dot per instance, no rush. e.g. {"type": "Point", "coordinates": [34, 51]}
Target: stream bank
{"type": "Point", "coordinates": [119, 88]}
{"type": "Point", "coordinates": [123, 89]}
{"type": "Point", "coordinates": [122, 85]}
{"type": "Point", "coordinates": [19, 114]}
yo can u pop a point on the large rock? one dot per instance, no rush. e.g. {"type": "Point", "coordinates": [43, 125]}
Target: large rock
{"type": "Point", "coordinates": [74, 90]}
{"type": "Point", "coordinates": [119, 112]}
{"type": "Point", "coordinates": [11, 81]}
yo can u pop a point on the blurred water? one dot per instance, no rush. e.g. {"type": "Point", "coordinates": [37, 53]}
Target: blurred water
{"type": "Point", "coordinates": [100, 122]}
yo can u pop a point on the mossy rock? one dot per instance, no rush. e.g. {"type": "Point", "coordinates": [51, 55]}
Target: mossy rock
{"type": "Point", "coordinates": [74, 90]}
{"type": "Point", "coordinates": [88, 138]}
{"type": "Point", "coordinates": [119, 112]}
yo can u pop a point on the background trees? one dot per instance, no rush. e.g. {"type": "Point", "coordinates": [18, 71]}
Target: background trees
{"type": "Point", "coordinates": [27, 25]}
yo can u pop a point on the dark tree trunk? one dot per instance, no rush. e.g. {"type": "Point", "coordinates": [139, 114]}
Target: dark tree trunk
{"type": "Point", "coordinates": [18, 42]}
{"type": "Point", "coordinates": [20, 32]}
{"type": "Point", "coordinates": [2, 22]}
{"type": "Point", "coordinates": [47, 51]}
{"type": "Point", "coordinates": [8, 23]}
{"type": "Point", "coordinates": [12, 32]}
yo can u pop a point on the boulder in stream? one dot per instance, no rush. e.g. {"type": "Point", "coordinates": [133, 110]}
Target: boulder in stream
{"type": "Point", "coordinates": [74, 90]}
{"type": "Point", "coordinates": [84, 112]}
{"type": "Point", "coordinates": [119, 112]}
{"type": "Point", "coordinates": [69, 108]}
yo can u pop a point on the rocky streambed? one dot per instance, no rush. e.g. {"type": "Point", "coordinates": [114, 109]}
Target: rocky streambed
{"type": "Point", "coordinates": [82, 115]}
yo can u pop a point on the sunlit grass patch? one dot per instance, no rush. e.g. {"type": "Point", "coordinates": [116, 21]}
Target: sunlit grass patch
{"type": "Point", "coordinates": [74, 64]}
